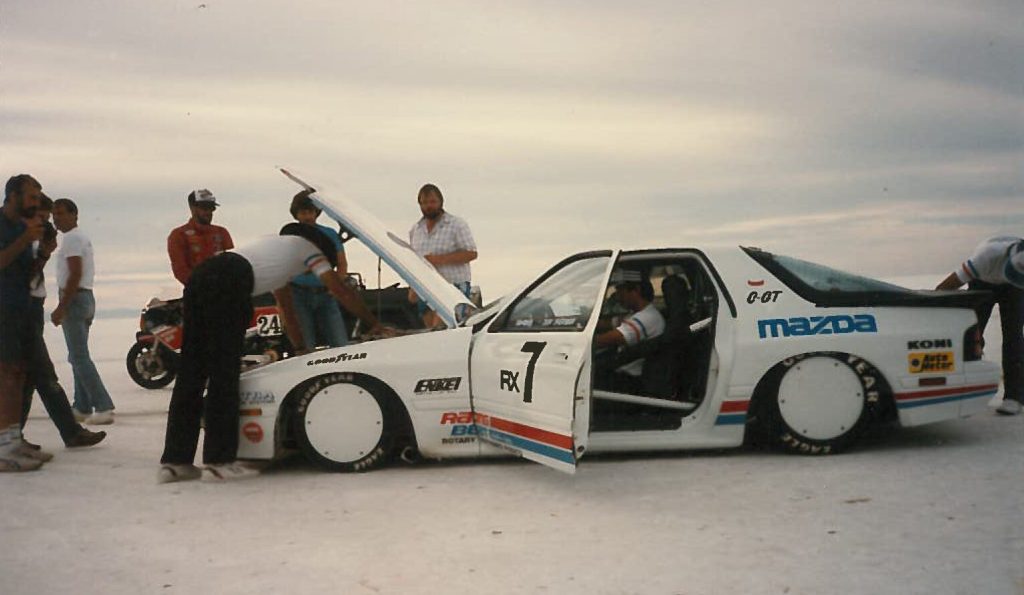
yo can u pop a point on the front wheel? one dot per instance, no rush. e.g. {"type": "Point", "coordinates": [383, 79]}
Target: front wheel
{"type": "Point", "coordinates": [151, 365]}
{"type": "Point", "coordinates": [345, 423]}
{"type": "Point", "coordinates": [824, 402]}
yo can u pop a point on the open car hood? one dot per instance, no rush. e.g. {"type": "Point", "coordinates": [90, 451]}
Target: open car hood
{"type": "Point", "coordinates": [439, 294]}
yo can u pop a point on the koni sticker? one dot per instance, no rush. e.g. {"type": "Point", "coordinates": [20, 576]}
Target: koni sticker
{"type": "Point", "coordinates": [930, 344]}
{"type": "Point", "coordinates": [929, 362]}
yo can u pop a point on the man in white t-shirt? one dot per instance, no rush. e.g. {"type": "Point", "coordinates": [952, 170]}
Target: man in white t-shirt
{"type": "Point", "coordinates": [217, 311]}
{"type": "Point", "coordinates": [636, 293]}
{"type": "Point", "coordinates": [76, 271]}
{"type": "Point", "coordinates": [997, 265]}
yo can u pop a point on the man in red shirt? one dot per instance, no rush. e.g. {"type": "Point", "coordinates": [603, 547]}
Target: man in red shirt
{"type": "Point", "coordinates": [198, 239]}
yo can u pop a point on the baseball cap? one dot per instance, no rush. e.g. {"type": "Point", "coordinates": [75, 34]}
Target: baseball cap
{"type": "Point", "coordinates": [621, 276]}
{"type": "Point", "coordinates": [202, 197]}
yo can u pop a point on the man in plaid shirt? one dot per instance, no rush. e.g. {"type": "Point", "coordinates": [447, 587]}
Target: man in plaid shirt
{"type": "Point", "coordinates": [445, 241]}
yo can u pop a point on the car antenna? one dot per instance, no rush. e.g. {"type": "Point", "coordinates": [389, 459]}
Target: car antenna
{"type": "Point", "coordinates": [379, 259]}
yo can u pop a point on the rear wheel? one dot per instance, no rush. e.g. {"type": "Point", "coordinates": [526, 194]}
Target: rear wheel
{"type": "Point", "coordinates": [151, 365]}
{"type": "Point", "coordinates": [823, 402]}
{"type": "Point", "coordinates": [345, 423]}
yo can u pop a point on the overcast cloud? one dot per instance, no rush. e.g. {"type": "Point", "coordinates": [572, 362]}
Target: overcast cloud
{"type": "Point", "coordinates": [884, 138]}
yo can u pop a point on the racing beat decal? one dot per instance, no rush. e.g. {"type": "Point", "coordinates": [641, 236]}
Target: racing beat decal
{"type": "Point", "coordinates": [463, 428]}
{"type": "Point", "coordinates": [929, 362]}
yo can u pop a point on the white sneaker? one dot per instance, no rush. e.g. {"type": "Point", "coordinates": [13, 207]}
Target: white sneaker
{"type": "Point", "coordinates": [228, 472]}
{"type": "Point", "coordinates": [170, 473]}
{"type": "Point", "coordinates": [1009, 407]}
{"type": "Point", "coordinates": [79, 416]}
{"type": "Point", "coordinates": [101, 418]}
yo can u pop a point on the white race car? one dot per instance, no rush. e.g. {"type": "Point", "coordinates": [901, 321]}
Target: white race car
{"type": "Point", "coordinates": [755, 344]}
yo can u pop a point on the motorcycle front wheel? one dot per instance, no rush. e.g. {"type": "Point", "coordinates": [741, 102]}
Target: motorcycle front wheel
{"type": "Point", "coordinates": [151, 366]}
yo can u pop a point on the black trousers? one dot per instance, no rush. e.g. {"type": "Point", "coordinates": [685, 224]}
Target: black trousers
{"type": "Point", "coordinates": [43, 378]}
{"type": "Point", "coordinates": [217, 312]}
{"type": "Point", "coordinates": [1011, 316]}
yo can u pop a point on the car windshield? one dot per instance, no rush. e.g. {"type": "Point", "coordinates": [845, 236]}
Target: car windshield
{"type": "Point", "coordinates": [823, 278]}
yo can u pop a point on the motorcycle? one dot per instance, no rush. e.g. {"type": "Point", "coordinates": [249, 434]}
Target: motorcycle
{"type": "Point", "coordinates": [152, 361]}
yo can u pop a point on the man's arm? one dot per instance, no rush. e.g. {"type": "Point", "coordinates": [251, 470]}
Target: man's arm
{"type": "Point", "coordinates": [610, 338]}
{"type": "Point", "coordinates": [177, 250]}
{"type": "Point", "coordinates": [33, 232]}
{"type": "Point", "coordinates": [949, 283]}
{"type": "Point", "coordinates": [350, 300]}
{"type": "Point", "coordinates": [342, 264]}
{"type": "Point", "coordinates": [459, 257]}
{"type": "Point", "coordinates": [291, 322]}
{"type": "Point", "coordinates": [67, 293]}
{"type": "Point", "coordinates": [228, 242]}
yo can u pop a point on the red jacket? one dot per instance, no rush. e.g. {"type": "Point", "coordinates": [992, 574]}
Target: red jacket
{"type": "Point", "coordinates": [191, 244]}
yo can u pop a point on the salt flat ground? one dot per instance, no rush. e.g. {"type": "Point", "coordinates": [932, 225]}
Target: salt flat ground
{"type": "Point", "coordinates": [930, 510]}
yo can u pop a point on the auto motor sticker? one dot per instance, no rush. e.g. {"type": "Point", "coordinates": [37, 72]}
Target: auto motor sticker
{"type": "Point", "coordinates": [930, 344]}
{"type": "Point", "coordinates": [932, 361]}
{"type": "Point", "coordinates": [253, 432]}
{"type": "Point", "coordinates": [798, 326]}
{"type": "Point", "coordinates": [438, 385]}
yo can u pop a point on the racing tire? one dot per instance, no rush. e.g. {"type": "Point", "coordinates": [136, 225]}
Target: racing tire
{"type": "Point", "coordinates": [823, 402]}
{"type": "Point", "coordinates": [151, 367]}
{"type": "Point", "coordinates": [346, 423]}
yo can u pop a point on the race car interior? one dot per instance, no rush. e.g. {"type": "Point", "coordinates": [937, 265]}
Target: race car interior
{"type": "Point", "coordinates": [674, 366]}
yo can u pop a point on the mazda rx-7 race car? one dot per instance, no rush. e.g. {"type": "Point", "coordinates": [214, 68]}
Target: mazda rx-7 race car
{"type": "Point", "coordinates": [755, 344]}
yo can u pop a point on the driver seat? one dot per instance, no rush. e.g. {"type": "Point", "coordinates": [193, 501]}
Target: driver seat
{"type": "Point", "coordinates": [666, 370]}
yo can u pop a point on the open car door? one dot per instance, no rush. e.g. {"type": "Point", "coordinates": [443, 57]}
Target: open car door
{"type": "Point", "coordinates": [530, 368]}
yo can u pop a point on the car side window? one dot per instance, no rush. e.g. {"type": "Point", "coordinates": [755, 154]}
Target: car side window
{"type": "Point", "coordinates": [562, 302]}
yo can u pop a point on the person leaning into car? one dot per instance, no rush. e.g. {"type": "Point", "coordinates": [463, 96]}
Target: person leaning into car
{"type": "Point", "coordinates": [218, 309]}
{"type": "Point", "coordinates": [997, 265]}
{"type": "Point", "coordinates": [199, 239]}
{"type": "Point", "coordinates": [317, 313]}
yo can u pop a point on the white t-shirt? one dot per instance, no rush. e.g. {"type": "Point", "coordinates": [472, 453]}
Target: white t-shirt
{"type": "Point", "coordinates": [276, 259]}
{"type": "Point", "coordinates": [75, 243]}
{"type": "Point", "coordinates": [998, 261]}
{"type": "Point", "coordinates": [37, 291]}
{"type": "Point", "coordinates": [645, 324]}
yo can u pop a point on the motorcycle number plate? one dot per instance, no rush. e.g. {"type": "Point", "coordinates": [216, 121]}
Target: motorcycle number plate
{"type": "Point", "coordinates": [268, 325]}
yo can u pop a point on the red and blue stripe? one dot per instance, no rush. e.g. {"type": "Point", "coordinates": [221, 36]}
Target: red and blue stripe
{"type": "Point", "coordinates": [523, 437]}
{"type": "Point", "coordinates": [923, 398]}
{"type": "Point", "coordinates": [732, 413]}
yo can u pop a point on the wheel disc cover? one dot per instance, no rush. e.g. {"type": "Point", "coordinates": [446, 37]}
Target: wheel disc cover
{"type": "Point", "coordinates": [343, 423]}
{"type": "Point", "coordinates": [821, 398]}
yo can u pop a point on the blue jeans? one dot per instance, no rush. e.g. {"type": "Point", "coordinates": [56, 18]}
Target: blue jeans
{"type": "Point", "coordinates": [319, 317]}
{"type": "Point", "coordinates": [90, 394]}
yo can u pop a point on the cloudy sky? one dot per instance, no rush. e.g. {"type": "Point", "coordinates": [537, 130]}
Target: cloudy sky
{"type": "Point", "coordinates": [885, 138]}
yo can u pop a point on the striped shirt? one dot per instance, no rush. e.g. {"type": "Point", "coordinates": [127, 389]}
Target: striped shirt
{"type": "Point", "coordinates": [450, 234]}
{"type": "Point", "coordinates": [276, 259]}
{"type": "Point", "coordinates": [998, 261]}
{"type": "Point", "coordinates": [645, 324]}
